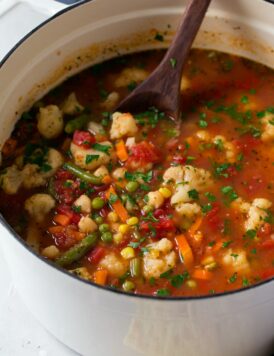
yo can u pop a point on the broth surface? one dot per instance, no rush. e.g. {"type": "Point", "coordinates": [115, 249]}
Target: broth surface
{"type": "Point", "coordinates": [137, 203]}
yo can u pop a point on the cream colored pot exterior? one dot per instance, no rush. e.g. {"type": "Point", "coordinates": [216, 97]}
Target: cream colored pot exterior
{"type": "Point", "coordinates": [90, 319]}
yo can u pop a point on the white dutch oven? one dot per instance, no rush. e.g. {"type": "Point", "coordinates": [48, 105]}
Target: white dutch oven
{"type": "Point", "coordinates": [90, 319]}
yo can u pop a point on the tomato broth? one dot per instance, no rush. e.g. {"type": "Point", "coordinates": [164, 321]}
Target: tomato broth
{"type": "Point", "coordinates": [137, 202]}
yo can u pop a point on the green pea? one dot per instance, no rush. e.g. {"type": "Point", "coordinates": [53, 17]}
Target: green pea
{"type": "Point", "coordinates": [132, 186]}
{"type": "Point", "coordinates": [97, 203]}
{"type": "Point", "coordinates": [107, 237]}
{"type": "Point", "coordinates": [104, 228]}
{"type": "Point", "coordinates": [99, 220]}
{"type": "Point", "coordinates": [128, 286]}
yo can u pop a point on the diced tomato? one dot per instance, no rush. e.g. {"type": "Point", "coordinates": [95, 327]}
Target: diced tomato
{"type": "Point", "coordinates": [213, 217]}
{"type": "Point", "coordinates": [267, 244]}
{"type": "Point", "coordinates": [247, 143]}
{"type": "Point", "coordinates": [164, 224]}
{"type": "Point", "coordinates": [63, 174]}
{"type": "Point", "coordinates": [172, 143]}
{"type": "Point", "coordinates": [268, 273]}
{"type": "Point", "coordinates": [179, 159]}
{"type": "Point", "coordinates": [64, 239]}
{"type": "Point", "coordinates": [96, 255]}
{"type": "Point", "coordinates": [144, 152]}
{"type": "Point", "coordinates": [265, 230]}
{"type": "Point", "coordinates": [66, 210]}
{"type": "Point", "coordinates": [83, 139]}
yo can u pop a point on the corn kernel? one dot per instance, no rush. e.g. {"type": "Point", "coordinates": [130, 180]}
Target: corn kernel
{"type": "Point", "coordinates": [112, 217]}
{"type": "Point", "coordinates": [127, 253]}
{"type": "Point", "coordinates": [191, 283]}
{"type": "Point", "coordinates": [118, 238]}
{"type": "Point", "coordinates": [166, 193]}
{"type": "Point", "coordinates": [132, 221]}
{"type": "Point", "coordinates": [123, 228]}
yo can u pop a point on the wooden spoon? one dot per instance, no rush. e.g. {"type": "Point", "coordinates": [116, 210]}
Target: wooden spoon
{"type": "Point", "coordinates": [162, 88]}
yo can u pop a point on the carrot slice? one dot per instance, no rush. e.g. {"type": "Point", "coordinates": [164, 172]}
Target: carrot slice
{"type": "Point", "coordinates": [195, 226]}
{"type": "Point", "coordinates": [107, 179]}
{"type": "Point", "coordinates": [117, 205]}
{"type": "Point", "coordinates": [61, 219]}
{"type": "Point", "coordinates": [202, 274]}
{"type": "Point", "coordinates": [185, 250]}
{"type": "Point", "coordinates": [56, 229]}
{"type": "Point", "coordinates": [121, 151]}
{"type": "Point", "coordinates": [100, 276]}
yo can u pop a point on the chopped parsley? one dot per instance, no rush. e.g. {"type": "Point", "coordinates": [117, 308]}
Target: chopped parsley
{"type": "Point", "coordinates": [146, 177]}
{"type": "Point", "coordinates": [162, 292]}
{"type": "Point", "coordinates": [90, 158]}
{"type": "Point", "coordinates": [226, 243]}
{"type": "Point", "coordinates": [159, 37]}
{"type": "Point", "coordinates": [233, 278]}
{"type": "Point", "coordinates": [113, 198]}
{"type": "Point", "coordinates": [193, 194]}
{"type": "Point", "coordinates": [173, 62]}
{"type": "Point", "coordinates": [229, 193]}
{"type": "Point", "coordinates": [211, 197]}
{"type": "Point", "coordinates": [102, 148]}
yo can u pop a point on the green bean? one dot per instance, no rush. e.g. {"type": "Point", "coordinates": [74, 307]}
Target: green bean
{"type": "Point", "coordinates": [82, 174]}
{"type": "Point", "coordinates": [76, 124]}
{"type": "Point", "coordinates": [76, 252]}
{"type": "Point", "coordinates": [135, 267]}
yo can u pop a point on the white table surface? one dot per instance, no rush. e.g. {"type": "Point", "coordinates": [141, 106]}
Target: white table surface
{"type": "Point", "coordinates": [20, 333]}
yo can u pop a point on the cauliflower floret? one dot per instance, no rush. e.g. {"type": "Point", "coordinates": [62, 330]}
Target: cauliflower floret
{"type": "Point", "coordinates": [11, 180]}
{"type": "Point", "coordinates": [256, 214]}
{"type": "Point", "coordinates": [50, 121]}
{"type": "Point", "coordinates": [84, 203]}
{"type": "Point", "coordinates": [122, 125]}
{"type": "Point", "coordinates": [95, 128]}
{"type": "Point", "coordinates": [241, 205]}
{"type": "Point", "coordinates": [51, 252]}
{"type": "Point", "coordinates": [71, 105]}
{"type": "Point", "coordinates": [111, 101]}
{"type": "Point", "coordinates": [193, 178]}
{"type": "Point", "coordinates": [155, 199]}
{"type": "Point", "coordinates": [268, 133]}
{"type": "Point", "coordinates": [228, 147]}
{"type": "Point", "coordinates": [129, 75]}
{"type": "Point", "coordinates": [236, 261]}
{"type": "Point", "coordinates": [90, 158]}
{"type": "Point", "coordinates": [39, 205]}
{"type": "Point", "coordinates": [188, 210]}
{"type": "Point", "coordinates": [174, 174]}
{"type": "Point", "coordinates": [34, 177]}
{"type": "Point", "coordinates": [159, 258]}
{"type": "Point", "coordinates": [130, 142]}
{"type": "Point", "coordinates": [102, 171]}
{"type": "Point", "coordinates": [119, 173]}
{"type": "Point", "coordinates": [256, 211]}
{"type": "Point", "coordinates": [115, 265]}
{"type": "Point", "coordinates": [54, 160]}
{"type": "Point", "coordinates": [87, 225]}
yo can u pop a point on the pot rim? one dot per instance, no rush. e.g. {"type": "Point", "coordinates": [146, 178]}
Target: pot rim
{"type": "Point", "coordinates": [70, 275]}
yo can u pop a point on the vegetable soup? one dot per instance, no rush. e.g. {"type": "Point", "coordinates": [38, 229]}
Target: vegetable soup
{"type": "Point", "coordinates": [136, 202]}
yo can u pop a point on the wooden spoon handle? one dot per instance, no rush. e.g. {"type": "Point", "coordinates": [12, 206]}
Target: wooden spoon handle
{"type": "Point", "coordinates": [178, 51]}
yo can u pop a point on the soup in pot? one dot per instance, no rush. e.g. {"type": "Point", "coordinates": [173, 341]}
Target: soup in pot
{"type": "Point", "coordinates": [136, 202]}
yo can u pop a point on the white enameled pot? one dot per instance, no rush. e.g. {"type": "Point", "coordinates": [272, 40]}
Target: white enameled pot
{"type": "Point", "coordinates": [90, 319]}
